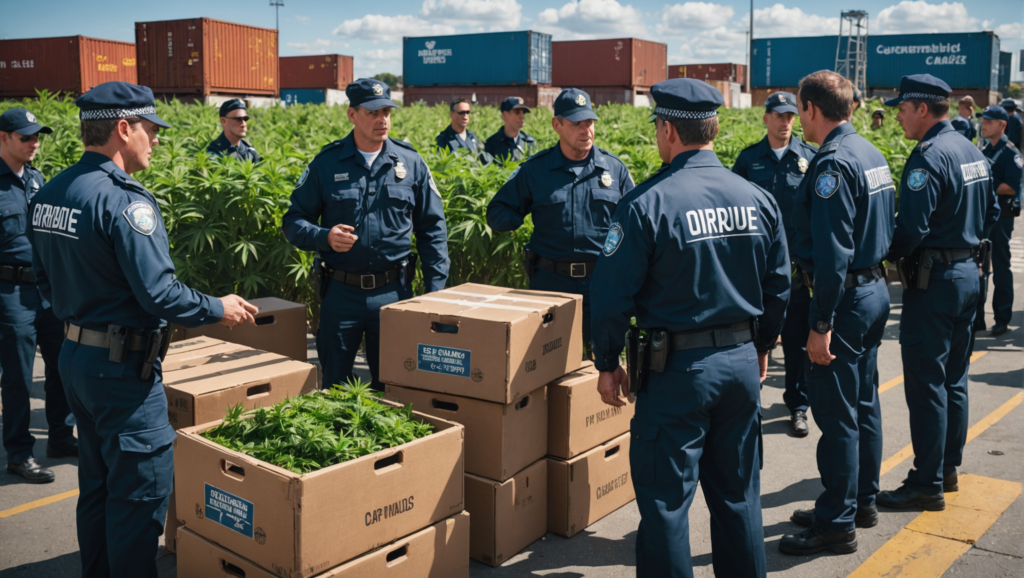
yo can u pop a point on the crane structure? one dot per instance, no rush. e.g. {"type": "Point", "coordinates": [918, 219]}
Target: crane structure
{"type": "Point", "coordinates": [852, 48]}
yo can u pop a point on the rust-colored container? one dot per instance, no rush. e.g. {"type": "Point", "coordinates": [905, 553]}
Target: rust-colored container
{"type": "Point", "coordinates": [635, 95]}
{"type": "Point", "coordinates": [622, 62]}
{"type": "Point", "coordinates": [323, 71]}
{"type": "Point", "coordinates": [534, 95]}
{"type": "Point", "coordinates": [69, 64]}
{"type": "Point", "coordinates": [202, 56]}
{"type": "Point", "coordinates": [727, 71]}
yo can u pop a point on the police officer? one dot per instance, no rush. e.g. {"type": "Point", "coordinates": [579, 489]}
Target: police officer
{"type": "Point", "coordinates": [234, 120]}
{"type": "Point", "coordinates": [843, 224]}
{"type": "Point", "coordinates": [964, 122]}
{"type": "Point", "coordinates": [1014, 129]}
{"type": "Point", "coordinates": [101, 257]}
{"type": "Point", "coordinates": [458, 136]}
{"type": "Point", "coordinates": [511, 142]}
{"type": "Point", "coordinates": [698, 256]}
{"type": "Point", "coordinates": [571, 189]}
{"type": "Point", "coordinates": [357, 205]}
{"type": "Point", "coordinates": [25, 317]}
{"type": "Point", "coordinates": [877, 118]}
{"type": "Point", "coordinates": [778, 164]}
{"type": "Point", "coordinates": [945, 196]}
{"type": "Point", "coordinates": [1006, 164]}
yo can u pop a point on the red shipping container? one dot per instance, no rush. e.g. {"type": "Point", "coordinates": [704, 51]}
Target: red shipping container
{"type": "Point", "coordinates": [533, 95]}
{"type": "Point", "coordinates": [635, 95]}
{"type": "Point", "coordinates": [202, 56]}
{"type": "Point", "coordinates": [725, 71]}
{"type": "Point", "coordinates": [324, 71]}
{"type": "Point", "coordinates": [70, 64]}
{"type": "Point", "coordinates": [621, 62]}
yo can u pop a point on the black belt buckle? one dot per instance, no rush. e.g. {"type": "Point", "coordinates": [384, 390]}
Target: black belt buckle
{"type": "Point", "coordinates": [577, 270]}
{"type": "Point", "coordinates": [372, 284]}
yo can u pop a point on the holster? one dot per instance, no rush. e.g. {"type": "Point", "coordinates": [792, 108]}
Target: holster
{"type": "Point", "coordinates": [117, 337]}
{"type": "Point", "coordinates": [1009, 205]}
{"type": "Point", "coordinates": [320, 280]}
{"type": "Point", "coordinates": [924, 270]}
{"type": "Point", "coordinates": [530, 263]}
{"type": "Point", "coordinates": [983, 256]}
{"type": "Point", "coordinates": [637, 359]}
{"type": "Point", "coordinates": [410, 268]}
{"type": "Point", "coordinates": [659, 345]}
{"type": "Point", "coordinates": [156, 347]}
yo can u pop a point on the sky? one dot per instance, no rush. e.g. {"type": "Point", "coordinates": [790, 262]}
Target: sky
{"type": "Point", "coordinates": [371, 32]}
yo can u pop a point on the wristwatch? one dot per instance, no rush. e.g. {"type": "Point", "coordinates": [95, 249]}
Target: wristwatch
{"type": "Point", "coordinates": [822, 327]}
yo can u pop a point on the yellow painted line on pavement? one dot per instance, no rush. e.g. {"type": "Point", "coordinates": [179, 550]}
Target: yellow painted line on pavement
{"type": "Point", "coordinates": [933, 541]}
{"type": "Point", "coordinates": [898, 380]}
{"type": "Point", "coordinates": [38, 503]}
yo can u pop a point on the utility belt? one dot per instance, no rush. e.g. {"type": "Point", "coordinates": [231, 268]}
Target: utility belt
{"type": "Point", "coordinates": [1008, 205]}
{"type": "Point", "coordinates": [323, 273]}
{"type": "Point", "coordinates": [854, 277]}
{"type": "Point", "coordinates": [984, 256]}
{"type": "Point", "coordinates": [17, 274]}
{"type": "Point", "coordinates": [648, 350]}
{"type": "Point", "coordinates": [533, 261]}
{"type": "Point", "coordinates": [915, 269]}
{"type": "Point", "coordinates": [120, 340]}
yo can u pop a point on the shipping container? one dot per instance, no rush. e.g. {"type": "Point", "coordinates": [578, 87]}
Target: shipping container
{"type": "Point", "coordinates": [201, 56]}
{"type": "Point", "coordinates": [69, 64]}
{"type": "Point", "coordinates": [491, 59]}
{"type": "Point", "coordinates": [533, 96]}
{"type": "Point", "coordinates": [758, 96]}
{"type": "Point", "coordinates": [625, 62]}
{"type": "Point", "coordinates": [323, 71]}
{"type": "Point", "coordinates": [635, 95]}
{"type": "Point", "coordinates": [329, 96]}
{"type": "Point", "coordinates": [1005, 69]}
{"type": "Point", "coordinates": [778, 62]}
{"type": "Point", "coordinates": [727, 71]}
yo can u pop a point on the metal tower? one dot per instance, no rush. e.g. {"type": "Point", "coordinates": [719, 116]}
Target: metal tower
{"type": "Point", "coordinates": [852, 49]}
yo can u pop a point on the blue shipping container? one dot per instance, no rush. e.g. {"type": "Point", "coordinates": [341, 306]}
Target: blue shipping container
{"type": "Point", "coordinates": [492, 59]}
{"type": "Point", "coordinates": [779, 62]}
{"type": "Point", "coordinates": [1005, 68]}
{"type": "Point", "coordinates": [303, 95]}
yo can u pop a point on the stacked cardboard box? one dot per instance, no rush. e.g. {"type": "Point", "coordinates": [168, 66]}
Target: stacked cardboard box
{"type": "Point", "coordinates": [481, 356]}
{"type": "Point", "coordinates": [588, 453]}
{"type": "Point", "coordinates": [280, 328]}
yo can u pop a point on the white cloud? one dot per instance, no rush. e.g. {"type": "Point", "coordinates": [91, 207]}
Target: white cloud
{"type": "Point", "coordinates": [494, 14]}
{"type": "Point", "coordinates": [318, 46]}
{"type": "Point", "coordinates": [591, 19]}
{"type": "Point", "coordinates": [303, 19]}
{"type": "Point", "coordinates": [379, 60]}
{"type": "Point", "coordinates": [777, 20]}
{"type": "Point", "coordinates": [377, 28]}
{"type": "Point", "coordinates": [720, 44]}
{"type": "Point", "coordinates": [919, 16]}
{"type": "Point", "coordinates": [678, 18]}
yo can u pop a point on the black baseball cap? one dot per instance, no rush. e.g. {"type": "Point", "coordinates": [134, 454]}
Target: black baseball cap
{"type": "Point", "coordinates": [230, 105]}
{"type": "Point", "coordinates": [512, 103]}
{"type": "Point", "coordinates": [781, 102]}
{"type": "Point", "coordinates": [574, 105]}
{"type": "Point", "coordinates": [22, 122]}
{"type": "Point", "coordinates": [370, 94]}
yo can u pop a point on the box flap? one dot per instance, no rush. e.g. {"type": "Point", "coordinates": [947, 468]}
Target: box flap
{"type": "Point", "coordinates": [231, 370]}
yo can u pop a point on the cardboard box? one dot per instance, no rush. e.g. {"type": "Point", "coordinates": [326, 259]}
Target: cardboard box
{"type": "Point", "coordinates": [577, 418]}
{"type": "Point", "coordinates": [201, 389]}
{"type": "Point", "coordinates": [507, 516]}
{"type": "Point", "coordinates": [195, 351]}
{"type": "Point", "coordinates": [280, 328]}
{"type": "Point", "coordinates": [480, 341]}
{"type": "Point", "coordinates": [301, 525]}
{"type": "Point", "coordinates": [588, 487]}
{"type": "Point", "coordinates": [437, 551]}
{"type": "Point", "coordinates": [501, 439]}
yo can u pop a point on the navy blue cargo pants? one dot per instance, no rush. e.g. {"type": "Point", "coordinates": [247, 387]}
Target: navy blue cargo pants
{"type": "Point", "coordinates": [794, 347]}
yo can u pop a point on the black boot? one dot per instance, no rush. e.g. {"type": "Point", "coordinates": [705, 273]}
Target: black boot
{"type": "Point", "coordinates": [950, 483]}
{"type": "Point", "coordinates": [866, 517]}
{"type": "Point", "coordinates": [32, 472]}
{"type": "Point", "coordinates": [65, 450]}
{"type": "Point", "coordinates": [907, 497]}
{"type": "Point", "coordinates": [798, 422]}
{"type": "Point", "coordinates": [816, 539]}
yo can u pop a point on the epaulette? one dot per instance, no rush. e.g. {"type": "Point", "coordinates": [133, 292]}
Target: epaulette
{"type": "Point", "coordinates": [126, 182]}
{"type": "Point", "coordinates": [401, 143]}
{"type": "Point", "coordinates": [749, 147]}
{"type": "Point", "coordinates": [528, 137]}
{"type": "Point", "coordinates": [921, 147]}
{"type": "Point", "coordinates": [330, 146]}
{"type": "Point", "coordinates": [830, 147]}
{"type": "Point", "coordinates": [610, 154]}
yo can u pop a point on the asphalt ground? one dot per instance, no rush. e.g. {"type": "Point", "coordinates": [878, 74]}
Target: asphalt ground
{"type": "Point", "coordinates": [37, 539]}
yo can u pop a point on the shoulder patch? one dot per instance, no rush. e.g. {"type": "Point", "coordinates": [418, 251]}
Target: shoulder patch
{"type": "Point", "coordinates": [612, 241]}
{"type": "Point", "coordinates": [917, 179]}
{"type": "Point", "coordinates": [433, 185]}
{"type": "Point", "coordinates": [827, 184]}
{"type": "Point", "coordinates": [302, 179]}
{"type": "Point", "coordinates": [141, 217]}
{"type": "Point", "coordinates": [1018, 161]}
{"type": "Point", "coordinates": [514, 173]}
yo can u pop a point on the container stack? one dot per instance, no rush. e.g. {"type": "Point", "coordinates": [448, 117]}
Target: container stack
{"type": "Point", "coordinates": [70, 65]}
{"type": "Point", "coordinates": [318, 79]}
{"type": "Point", "coordinates": [482, 356]}
{"type": "Point", "coordinates": [482, 68]}
{"type": "Point", "coordinates": [730, 79]}
{"type": "Point", "coordinates": [616, 71]}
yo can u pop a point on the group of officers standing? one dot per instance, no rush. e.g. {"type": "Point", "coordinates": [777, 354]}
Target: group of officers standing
{"type": "Point", "coordinates": [713, 264]}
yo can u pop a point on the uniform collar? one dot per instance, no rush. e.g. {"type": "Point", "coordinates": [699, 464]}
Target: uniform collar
{"type": "Point", "coordinates": [695, 159]}
{"type": "Point", "coordinates": [558, 159]}
{"type": "Point", "coordinates": [223, 141]}
{"type": "Point", "coordinates": [4, 169]}
{"type": "Point", "coordinates": [841, 130]}
{"type": "Point", "coordinates": [765, 148]}
{"type": "Point", "coordinates": [999, 143]}
{"type": "Point", "coordinates": [940, 127]}
{"type": "Point", "coordinates": [102, 161]}
{"type": "Point", "coordinates": [348, 149]}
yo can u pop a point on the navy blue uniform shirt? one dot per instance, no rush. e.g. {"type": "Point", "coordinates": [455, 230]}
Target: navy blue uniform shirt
{"type": "Point", "coordinates": [1013, 129]}
{"type": "Point", "coordinates": [385, 203]}
{"type": "Point", "coordinates": [1006, 164]}
{"type": "Point", "coordinates": [843, 219]}
{"type": "Point", "coordinates": [693, 247]}
{"type": "Point", "coordinates": [15, 195]}
{"type": "Point", "coordinates": [101, 253]}
{"type": "Point", "coordinates": [758, 164]}
{"type": "Point", "coordinates": [221, 146]}
{"type": "Point", "coordinates": [500, 145]}
{"type": "Point", "coordinates": [450, 140]}
{"type": "Point", "coordinates": [965, 127]}
{"type": "Point", "coordinates": [571, 213]}
{"type": "Point", "coordinates": [946, 195]}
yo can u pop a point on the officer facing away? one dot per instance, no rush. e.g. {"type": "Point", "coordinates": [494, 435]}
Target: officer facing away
{"type": "Point", "coordinates": [571, 189]}
{"type": "Point", "coordinates": [964, 122]}
{"type": "Point", "coordinates": [1014, 128]}
{"type": "Point", "coordinates": [843, 224]}
{"type": "Point", "coordinates": [234, 120]}
{"type": "Point", "coordinates": [458, 136]}
{"type": "Point", "coordinates": [778, 164]}
{"type": "Point", "coordinates": [101, 256]}
{"type": "Point", "coordinates": [698, 255]}
{"type": "Point", "coordinates": [945, 198]}
{"type": "Point", "coordinates": [1006, 164]}
{"type": "Point", "coordinates": [357, 205]}
{"type": "Point", "coordinates": [25, 316]}
{"type": "Point", "coordinates": [510, 142]}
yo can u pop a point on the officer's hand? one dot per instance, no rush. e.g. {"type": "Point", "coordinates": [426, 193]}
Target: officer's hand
{"type": "Point", "coordinates": [341, 238]}
{"type": "Point", "coordinates": [762, 363]}
{"type": "Point", "coordinates": [237, 311]}
{"type": "Point", "coordinates": [609, 383]}
{"type": "Point", "coordinates": [817, 348]}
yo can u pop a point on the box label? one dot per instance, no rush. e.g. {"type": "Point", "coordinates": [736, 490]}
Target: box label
{"type": "Point", "coordinates": [446, 360]}
{"type": "Point", "coordinates": [229, 510]}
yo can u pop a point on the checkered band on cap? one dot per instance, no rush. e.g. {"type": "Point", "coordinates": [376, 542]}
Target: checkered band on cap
{"type": "Point", "coordinates": [922, 96]}
{"type": "Point", "coordinates": [687, 114]}
{"type": "Point", "coordinates": [110, 113]}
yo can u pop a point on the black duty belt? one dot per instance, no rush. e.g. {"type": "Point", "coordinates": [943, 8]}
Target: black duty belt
{"type": "Point", "coordinates": [16, 274]}
{"type": "Point", "coordinates": [368, 281]}
{"type": "Point", "coordinates": [950, 256]}
{"type": "Point", "coordinates": [858, 277]}
{"type": "Point", "coordinates": [577, 270]}
{"type": "Point", "coordinates": [136, 341]}
{"type": "Point", "coordinates": [741, 332]}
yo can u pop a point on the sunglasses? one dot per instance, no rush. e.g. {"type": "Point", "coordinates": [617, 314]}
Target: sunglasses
{"type": "Point", "coordinates": [238, 118]}
{"type": "Point", "coordinates": [463, 112]}
{"type": "Point", "coordinates": [28, 139]}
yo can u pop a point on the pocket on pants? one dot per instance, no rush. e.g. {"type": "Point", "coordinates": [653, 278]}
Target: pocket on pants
{"type": "Point", "coordinates": [910, 346]}
{"type": "Point", "coordinates": [145, 467]}
{"type": "Point", "coordinates": [642, 452]}
{"type": "Point", "coordinates": [819, 389]}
